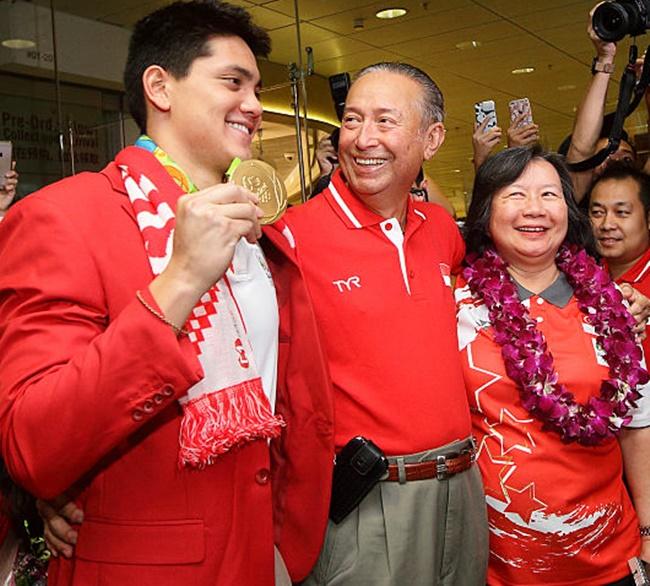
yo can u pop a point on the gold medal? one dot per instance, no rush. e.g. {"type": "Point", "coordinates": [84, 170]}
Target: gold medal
{"type": "Point", "coordinates": [262, 180]}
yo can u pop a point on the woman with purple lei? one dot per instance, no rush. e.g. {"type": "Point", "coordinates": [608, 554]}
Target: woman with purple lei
{"type": "Point", "coordinates": [556, 383]}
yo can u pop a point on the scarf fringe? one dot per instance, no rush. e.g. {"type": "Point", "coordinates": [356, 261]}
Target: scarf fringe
{"type": "Point", "coordinates": [215, 423]}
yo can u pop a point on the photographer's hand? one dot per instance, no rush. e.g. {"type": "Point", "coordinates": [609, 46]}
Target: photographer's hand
{"type": "Point", "coordinates": [589, 117]}
{"type": "Point", "coordinates": [326, 156]}
{"type": "Point", "coordinates": [605, 51]}
{"type": "Point", "coordinates": [484, 142]}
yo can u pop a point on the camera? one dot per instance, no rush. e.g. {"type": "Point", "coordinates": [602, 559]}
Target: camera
{"type": "Point", "coordinates": [339, 86]}
{"type": "Point", "coordinates": [615, 19]}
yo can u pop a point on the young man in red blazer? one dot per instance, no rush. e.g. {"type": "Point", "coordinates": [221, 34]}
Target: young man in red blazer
{"type": "Point", "coordinates": [109, 333]}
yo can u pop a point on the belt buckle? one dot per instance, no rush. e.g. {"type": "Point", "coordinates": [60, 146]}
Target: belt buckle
{"type": "Point", "coordinates": [441, 468]}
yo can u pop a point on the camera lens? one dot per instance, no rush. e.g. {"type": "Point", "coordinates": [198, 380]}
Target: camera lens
{"type": "Point", "coordinates": [611, 21]}
{"type": "Point", "coordinates": [617, 18]}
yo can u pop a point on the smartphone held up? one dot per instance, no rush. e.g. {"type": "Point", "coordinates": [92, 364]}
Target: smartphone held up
{"type": "Point", "coordinates": [485, 110]}
{"type": "Point", "coordinates": [520, 112]}
{"type": "Point", "coordinates": [5, 161]}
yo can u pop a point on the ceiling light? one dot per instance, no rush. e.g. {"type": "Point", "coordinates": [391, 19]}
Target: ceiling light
{"type": "Point", "coordinates": [522, 70]}
{"type": "Point", "coordinates": [391, 13]}
{"type": "Point", "coordinates": [468, 45]}
{"type": "Point", "coordinates": [455, 170]}
{"type": "Point", "coordinates": [18, 44]}
{"type": "Point", "coordinates": [357, 24]}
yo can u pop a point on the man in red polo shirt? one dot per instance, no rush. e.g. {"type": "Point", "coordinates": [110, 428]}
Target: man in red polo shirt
{"type": "Point", "coordinates": [619, 208]}
{"type": "Point", "coordinates": [374, 268]}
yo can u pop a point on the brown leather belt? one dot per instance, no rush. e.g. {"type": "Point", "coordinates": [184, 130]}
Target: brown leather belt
{"type": "Point", "coordinates": [441, 468]}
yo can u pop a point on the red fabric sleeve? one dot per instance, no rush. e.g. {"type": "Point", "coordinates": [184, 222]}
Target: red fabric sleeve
{"type": "Point", "coordinates": [72, 375]}
{"type": "Point", "coordinates": [458, 251]}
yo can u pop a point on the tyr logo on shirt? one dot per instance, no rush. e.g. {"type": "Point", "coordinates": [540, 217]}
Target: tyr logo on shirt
{"type": "Point", "coordinates": [243, 359]}
{"type": "Point", "coordinates": [346, 284]}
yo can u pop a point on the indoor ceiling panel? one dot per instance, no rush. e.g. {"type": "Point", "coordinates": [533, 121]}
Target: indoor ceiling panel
{"type": "Point", "coordinates": [129, 14]}
{"type": "Point", "coordinates": [285, 41]}
{"type": "Point", "coordinates": [428, 25]}
{"type": "Point", "coordinates": [354, 62]}
{"type": "Point", "coordinates": [312, 9]}
{"type": "Point", "coordinates": [550, 17]}
{"type": "Point", "coordinates": [536, 9]}
{"type": "Point", "coordinates": [417, 12]}
{"type": "Point", "coordinates": [337, 47]}
{"type": "Point", "coordinates": [270, 19]}
{"type": "Point", "coordinates": [496, 31]}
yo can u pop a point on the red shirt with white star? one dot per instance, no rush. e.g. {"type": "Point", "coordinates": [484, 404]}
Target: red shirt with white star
{"type": "Point", "coordinates": [385, 308]}
{"type": "Point", "coordinates": [558, 513]}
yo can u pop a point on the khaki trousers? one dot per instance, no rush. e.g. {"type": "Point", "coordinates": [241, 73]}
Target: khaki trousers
{"type": "Point", "coordinates": [420, 533]}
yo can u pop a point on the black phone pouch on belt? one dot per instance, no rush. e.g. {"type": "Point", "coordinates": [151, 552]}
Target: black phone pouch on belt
{"type": "Point", "coordinates": [359, 466]}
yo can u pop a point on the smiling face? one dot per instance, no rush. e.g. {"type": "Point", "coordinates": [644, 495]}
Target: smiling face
{"type": "Point", "coordinates": [383, 141]}
{"type": "Point", "coordinates": [214, 111]}
{"type": "Point", "coordinates": [529, 217]}
{"type": "Point", "coordinates": [619, 221]}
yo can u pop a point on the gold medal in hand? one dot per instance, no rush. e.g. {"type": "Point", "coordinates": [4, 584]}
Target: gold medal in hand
{"type": "Point", "coordinates": [262, 180]}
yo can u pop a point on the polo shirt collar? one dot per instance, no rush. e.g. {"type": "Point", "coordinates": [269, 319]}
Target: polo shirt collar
{"type": "Point", "coordinates": [354, 213]}
{"type": "Point", "coordinates": [636, 273]}
{"type": "Point", "coordinates": [558, 293]}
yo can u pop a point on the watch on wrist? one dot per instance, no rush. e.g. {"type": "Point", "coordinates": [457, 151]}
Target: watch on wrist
{"type": "Point", "coordinates": [599, 67]}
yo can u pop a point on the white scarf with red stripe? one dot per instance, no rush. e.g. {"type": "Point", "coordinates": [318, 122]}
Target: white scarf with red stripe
{"type": "Point", "coordinates": [228, 407]}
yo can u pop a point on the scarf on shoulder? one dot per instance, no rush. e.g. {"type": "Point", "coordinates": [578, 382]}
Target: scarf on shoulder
{"type": "Point", "coordinates": [228, 407]}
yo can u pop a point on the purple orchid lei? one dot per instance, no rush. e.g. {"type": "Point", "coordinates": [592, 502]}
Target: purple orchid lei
{"type": "Point", "coordinates": [529, 363]}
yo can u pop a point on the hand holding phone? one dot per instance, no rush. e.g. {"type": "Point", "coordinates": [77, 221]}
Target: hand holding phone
{"type": "Point", "coordinates": [522, 131]}
{"type": "Point", "coordinates": [520, 112]}
{"type": "Point", "coordinates": [484, 141]}
{"type": "Point", "coordinates": [5, 161]}
{"type": "Point", "coordinates": [485, 110]}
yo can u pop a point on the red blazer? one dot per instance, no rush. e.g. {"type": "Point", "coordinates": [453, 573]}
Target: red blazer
{"type": "Point", "coordinates": [88, 396]}
{"type": "Point", "coordinates": [303, 457]}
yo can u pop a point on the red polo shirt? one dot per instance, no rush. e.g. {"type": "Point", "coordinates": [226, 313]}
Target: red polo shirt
{"type": "Point", "coordinates": [559, 514]}
{"type": "Point", "coordinates": [384, 306]}
{"type": "Point", "coordinates": [639, 277]}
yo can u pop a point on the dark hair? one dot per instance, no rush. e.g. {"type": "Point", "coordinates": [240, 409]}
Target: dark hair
{"type": "Point", "coordinates": [619, 171]}
{"type": "Point", "coordinates": [505, 168]}
{"type": "Point", "coordinates": [175, 35]}
{"type": "Point", "coordinates": [18, 506]}
{"type": "Point", "coordinates": [433, 104]}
